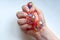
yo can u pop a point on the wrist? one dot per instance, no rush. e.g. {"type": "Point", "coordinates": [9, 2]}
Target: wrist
{"type": "Point", "coordinates": [46, 34]}
{"type": "Point", "coordinates": [39, 34]}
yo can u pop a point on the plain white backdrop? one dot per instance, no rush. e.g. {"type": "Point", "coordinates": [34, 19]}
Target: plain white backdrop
{"type": "Point", "coordinates": [9, 29]}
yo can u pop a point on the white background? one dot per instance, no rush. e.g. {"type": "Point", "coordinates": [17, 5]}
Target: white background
{"type": "Point", "coordinates": [9, 29]}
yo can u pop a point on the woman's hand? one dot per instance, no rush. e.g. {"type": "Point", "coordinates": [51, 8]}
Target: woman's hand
{"type": "Point", "coordinates": [22, 19]}
{"type": "Point", "coordinates": [43, 34]}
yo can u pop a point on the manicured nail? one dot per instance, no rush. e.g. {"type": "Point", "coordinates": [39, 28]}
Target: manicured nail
{"type": "Point", "coordinates": [30, 5]}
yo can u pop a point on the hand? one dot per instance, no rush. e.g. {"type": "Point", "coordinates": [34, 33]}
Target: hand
{"type": "Point", "coordinates": [43, 34]}
{"type": "Point", "coordinates": [22, 20]}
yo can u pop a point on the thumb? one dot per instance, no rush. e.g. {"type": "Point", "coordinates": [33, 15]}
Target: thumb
{"type": "Point", "coordinates": [40, 13]}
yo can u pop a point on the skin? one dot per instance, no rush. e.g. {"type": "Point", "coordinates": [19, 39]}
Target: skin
{"type": "Point", "coordinates": [44, 34]}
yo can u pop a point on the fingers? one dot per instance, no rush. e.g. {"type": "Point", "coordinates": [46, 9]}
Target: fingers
{"type": "Point", "coordinates": [22, 21]}
{"type": "Point", "coordinates": [25, 26]}
{"type": "Point", "coordinates": [25, 8]}
{"type": "Point", "coordinates": [32, 9]}
{"type": "Point", "coordinates": [39, 12]}
{"type": "Point", "coordinates": [21, 14]}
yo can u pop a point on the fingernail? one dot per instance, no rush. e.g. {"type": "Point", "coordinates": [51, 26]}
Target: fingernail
{"type": "Point", "coordinates": [30, 5]}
